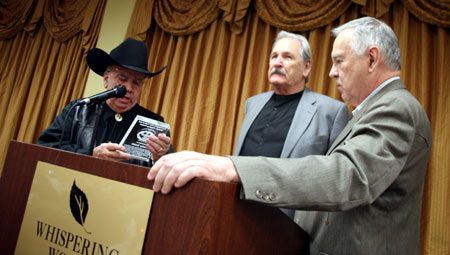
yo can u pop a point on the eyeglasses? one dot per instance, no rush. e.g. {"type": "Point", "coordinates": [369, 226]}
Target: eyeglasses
{"type": "Point", "coordinates": [137, 78]}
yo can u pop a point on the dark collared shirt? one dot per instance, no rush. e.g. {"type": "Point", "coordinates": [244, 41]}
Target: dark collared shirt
{"type": "Point", "coordinates": [111, 130]}
{"type": "Point", "coordinates": [268, 132]}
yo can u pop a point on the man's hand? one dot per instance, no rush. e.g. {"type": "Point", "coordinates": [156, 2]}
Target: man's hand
{"type": "Point", "coordinates": [158, 145]}
{"type": "Point", "coordinates": [176, 169]}
{"type": "Point", "coordinates": [111, 151]}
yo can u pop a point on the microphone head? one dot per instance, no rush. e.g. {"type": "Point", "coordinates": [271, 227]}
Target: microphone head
{"type": "Point", "coordinates": [120, 90]}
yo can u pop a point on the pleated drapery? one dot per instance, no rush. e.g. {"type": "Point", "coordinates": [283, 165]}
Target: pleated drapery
{"type": "Point", "coordinates": [43, 45]}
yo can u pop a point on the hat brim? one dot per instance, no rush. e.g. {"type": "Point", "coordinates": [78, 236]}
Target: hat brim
{"type": "Point", "coordinates": [98, 60]}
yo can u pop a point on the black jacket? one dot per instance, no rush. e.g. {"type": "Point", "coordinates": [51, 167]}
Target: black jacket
{"type": "Point", "coordinates": [77, 126]}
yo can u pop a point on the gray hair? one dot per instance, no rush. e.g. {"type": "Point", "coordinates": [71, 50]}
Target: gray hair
{"type": "Point", "coordinates": [368, 32]}
{"type": "Point", "coordinates": [305, 51]}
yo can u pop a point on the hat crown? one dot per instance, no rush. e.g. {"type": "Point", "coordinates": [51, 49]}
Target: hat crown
{"type": "Point", "coordinates": [131, 53]}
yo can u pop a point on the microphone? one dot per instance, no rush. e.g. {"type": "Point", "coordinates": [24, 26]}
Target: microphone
{"type": "Point", "coordinates": [117, 91]}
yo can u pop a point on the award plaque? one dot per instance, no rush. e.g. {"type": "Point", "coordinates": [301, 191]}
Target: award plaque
{"type": "Point", "coordinates": [134, 139]}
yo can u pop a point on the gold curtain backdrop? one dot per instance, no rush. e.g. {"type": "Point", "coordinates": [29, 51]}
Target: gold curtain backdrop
{"type": "Point", "coordinates": [181, 17]}
{"type": "Point", "coordinates": [300, 15]}
{"type": "Point", "coordinates": [43, 64]}
{"type": "Point", "coordinates": [217, 54]}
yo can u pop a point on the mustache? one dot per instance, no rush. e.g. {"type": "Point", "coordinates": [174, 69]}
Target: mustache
{"type": "Point", "coordinates": [277, 70]}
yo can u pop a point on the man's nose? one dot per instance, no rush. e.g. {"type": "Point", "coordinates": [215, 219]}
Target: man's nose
{"type": "Point", "coordinates": [277, 62]}
{"type": "Point", "coordinates": [128, 85]}
{"type": "Point", "coordinates": [333, 72]}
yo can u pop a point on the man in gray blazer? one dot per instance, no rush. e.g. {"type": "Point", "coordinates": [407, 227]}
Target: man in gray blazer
{"type": "Point", "coordinates": [365, 194]}
{"type": "Point", "coordinates": [290, 121]}
{"type": "Point", "coordinates": [316, 123]}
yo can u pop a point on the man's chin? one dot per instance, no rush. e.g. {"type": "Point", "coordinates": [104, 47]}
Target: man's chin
{"type": "Point", "coordinates": [277, 80]}
{"type": "Point", "coordinates": [278, 83]}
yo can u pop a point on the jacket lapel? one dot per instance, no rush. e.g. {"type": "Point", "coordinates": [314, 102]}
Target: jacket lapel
{"type": "Point", "coordinates": [394, 85]}
{"type": "Point", "coordinates": [303, 115]}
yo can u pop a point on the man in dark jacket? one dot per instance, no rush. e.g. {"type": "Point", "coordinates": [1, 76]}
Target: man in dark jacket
{"type": "Point", "coordinates": [74, 129]}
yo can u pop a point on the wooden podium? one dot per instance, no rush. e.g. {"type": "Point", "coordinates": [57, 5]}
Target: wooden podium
{"type": "Point", "coordinates": [203, 217]}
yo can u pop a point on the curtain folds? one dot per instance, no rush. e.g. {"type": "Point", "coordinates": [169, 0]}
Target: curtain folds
{"type": "Point", "coordinates": [172, 18]}
{"type": "Point", "coordinates": [14, 14]}
{"type": "Point", "coordinates": [234, 13]}
{"type": "Point", "coordinates": [185, 17]}
{"type": "Point", "coordinates": [62, 19]}
{"type": "Point", "coordinates": [180, 17]}
{"type": "Point", "coordinates": [40, 74]}
{"type": "Point", "coordinates": [300, 15]}
{"type": "Point", "coordinates": [374, 8]}
{"type": "Point", "coordinates": [140, 20]}
{"type": "Point", "coordinates": [436, 12]}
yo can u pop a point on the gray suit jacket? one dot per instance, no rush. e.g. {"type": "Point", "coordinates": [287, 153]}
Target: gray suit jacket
{"type": "Point", "coordinates": [365, 194]}
{"type": "Point", "coordinates": [317, 122]}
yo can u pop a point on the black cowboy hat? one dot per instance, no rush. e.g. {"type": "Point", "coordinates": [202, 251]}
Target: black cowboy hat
{"type": "Point", "coordinates": [131, 54]}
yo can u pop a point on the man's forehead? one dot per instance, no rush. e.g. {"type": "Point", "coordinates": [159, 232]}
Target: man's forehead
{"type": "Point", "coordinates": [341, 43]}
{"type": "Point", "coordinates": [344, 37]}
{"type": "Point", "coordinates": [287, 44]}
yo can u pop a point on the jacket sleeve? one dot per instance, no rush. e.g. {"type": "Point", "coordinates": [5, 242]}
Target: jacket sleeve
{"type": "Point", "coordinates": [340, 121]}
{"type": "Point", "coordinates": [61, 126]}
{"type": "Point", "coordinates": [369, 162]}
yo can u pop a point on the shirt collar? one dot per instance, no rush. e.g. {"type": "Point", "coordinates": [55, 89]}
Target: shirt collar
{"type": "Point", "coordinates": [374, 92]}
{"type": "Point", "coordinates": [109, 113]}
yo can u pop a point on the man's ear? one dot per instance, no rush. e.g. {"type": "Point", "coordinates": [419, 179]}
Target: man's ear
{"type": "Point", "coordinates": [105, 79]}
{"type": "Point", "coordinates": [374, 57]}
{"type": "Point", "coordinates": [307, 69]}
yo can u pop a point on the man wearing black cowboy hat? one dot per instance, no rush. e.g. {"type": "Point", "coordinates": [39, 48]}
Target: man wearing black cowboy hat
{"type": "Point", "coordinates": [73, 129]}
